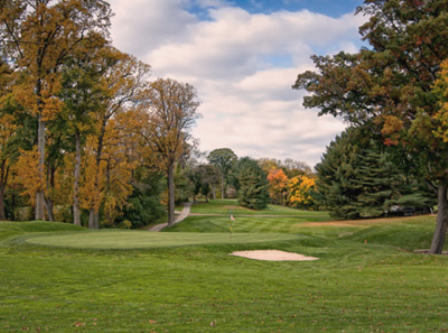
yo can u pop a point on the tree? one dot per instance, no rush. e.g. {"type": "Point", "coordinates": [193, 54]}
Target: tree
{"type": "Point", "coordinates": [390, 85]}
{"type": "Point", "coordinates": [252, 184]}
{"type": "Point", "coordinates": [355, 178]}
{"type": "Point", "coordinates": [278, 182]}
{"type": "Point", "coordinates": [209, 178]}
{"type": "Point", "coordinates": [38, 37]}
{"type": "Point", "coordinates": [295, 168]}
{"type": "Point", "coordinates": [171, 113]}
{"type": "Point", "coordinates": [124, 86]}
{"type": "Point", "coordinates": [299, 191]}
{"type": "Point", "coordinates": [223, 159]}
{"type": "Point", "coordinates": [8, 130]}
{"type": "Point", "coordinates": [83, 97]}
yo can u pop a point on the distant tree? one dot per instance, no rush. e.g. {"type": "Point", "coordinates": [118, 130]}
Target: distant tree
{"type": "Point", "coordinates": [143, 206]}
{"type": "Point", "coordinates": [294, 168]}
{"type": "Point", "coordinates": [171, 113]}
{"type": "Point", "coordinates": [299, 192]}
{"type": "Point", "coordinates": [267, 164]}
{"type": "Point", "coordinates": [253, 186]}
{"type": "Point", "coordinates": [223, 159]}
{"type": "Point", "coordinates": [278, 182]}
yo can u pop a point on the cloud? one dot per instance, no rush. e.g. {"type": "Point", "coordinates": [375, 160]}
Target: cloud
{"type": "Point", "coordinates": [243, 66]}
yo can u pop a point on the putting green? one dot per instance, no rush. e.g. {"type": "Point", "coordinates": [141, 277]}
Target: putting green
{"type": "Point", "coordinates": [144, 239]}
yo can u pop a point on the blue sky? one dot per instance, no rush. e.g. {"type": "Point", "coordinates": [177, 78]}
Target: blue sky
{"type": "Point", "coordinates": [333, 8]}
{"type": "Point", "coordinates": [242, 57]}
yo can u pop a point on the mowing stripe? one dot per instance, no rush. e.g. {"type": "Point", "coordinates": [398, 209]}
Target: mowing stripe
{"type": "Point", "coordinates": [143, 240]}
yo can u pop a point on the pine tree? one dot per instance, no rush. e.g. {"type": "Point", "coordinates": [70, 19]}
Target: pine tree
{"type": "Point", "coordinates": [252, 184]}
{"type": "Point", "coordinates": [357, 179]}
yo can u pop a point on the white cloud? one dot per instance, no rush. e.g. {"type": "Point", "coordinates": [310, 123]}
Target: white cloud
{"type": "Point", "coordinates": [243, 66]}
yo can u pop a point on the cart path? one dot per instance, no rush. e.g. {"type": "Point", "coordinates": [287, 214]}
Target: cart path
{"type": "Point", "coordinates": [183, 215]}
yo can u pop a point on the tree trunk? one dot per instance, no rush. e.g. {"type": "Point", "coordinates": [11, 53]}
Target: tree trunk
{"type": "Point", "coordinates": [442, 220]}
{"type": "Point", "coordinates": [170, 175]}
{"type": "Point", "coordinates": [223, 186]}
{"type": "Point", "coordinates": [51, 170]}
{"type": "Point", "coordinates": [2, 202]}
{"type": "Point", "coordinates": [92, 218]}
{"type": "Point", "coordinates": [97, 220]}
{"type": "Point", "coordinates": [76, 211]}
{"type": "Point", "coordinates": [3, 182]}
{"type": "Point", "coordinates": [49, 206]}
{"type": "Point", "coordinates": [94, 215]}
{"type": "Point", "coordinates": [40, 195]}
{"type": "Point", "coordinates": [214, 191]}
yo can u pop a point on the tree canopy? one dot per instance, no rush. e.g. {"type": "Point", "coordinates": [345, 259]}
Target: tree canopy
{"type": "Point", "coordinates": [389, 85]}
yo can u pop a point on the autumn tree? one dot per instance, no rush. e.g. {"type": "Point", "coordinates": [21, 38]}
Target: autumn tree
{"type": "Point", "coordinates": [223, 159]}
{"type": "Point", "coordinates": [293, 168]}
{"type": "Point", "coordinates": [84, 96]}
{"type": "Point", "coordinates": [38, 37]}
{"type": "Point", "coordinates": [278, 182]}
{"type": "Point", "coordinates": [124, 81]}
{"type": "Point", "coordinates": [390, 85]}
{"type": "Point", "coordinates": [8, 130]}
{"type": "Point", "coordinates": [300, 191]}
{"type": "Point", "coordinates": [267, 164]}
{"type": "Point", "coordinates": [171, 113]}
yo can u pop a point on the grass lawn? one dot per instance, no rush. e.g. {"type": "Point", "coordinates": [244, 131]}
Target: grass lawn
{"type": "Point", "coordinates": [181, 283]}
{"type": "Point", "coordinates": [230, 206]}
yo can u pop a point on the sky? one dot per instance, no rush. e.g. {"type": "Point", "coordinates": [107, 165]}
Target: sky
{"type": "Point", "coordinates": [243, 56]}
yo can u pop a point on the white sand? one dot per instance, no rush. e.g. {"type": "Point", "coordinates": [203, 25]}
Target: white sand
{"type": "Point", "coordinates": [272, 255]}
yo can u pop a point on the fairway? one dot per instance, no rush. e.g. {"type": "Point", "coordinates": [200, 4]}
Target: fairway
{"type": "Point", "coordinates": [58, 277]}
{"type": "Point", "coordinates": [122, 240]}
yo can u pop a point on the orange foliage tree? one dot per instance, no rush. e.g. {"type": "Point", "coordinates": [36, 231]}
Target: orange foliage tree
{"type": "Point", "coordinates": [38, 36]}
{"type": "Point", "coordinates": [278, 189]}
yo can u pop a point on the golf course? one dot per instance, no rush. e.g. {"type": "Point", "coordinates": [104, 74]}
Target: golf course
{"type": "Point", "coordinates": [57, 277]}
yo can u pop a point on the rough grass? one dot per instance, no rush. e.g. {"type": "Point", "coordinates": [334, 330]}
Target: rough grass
{"type": "Point", "coordinates": [354, 287]}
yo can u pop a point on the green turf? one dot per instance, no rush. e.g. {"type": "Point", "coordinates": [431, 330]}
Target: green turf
{"type": "Point", "coordinates": [125, 240]}
{"type": "Point", "coordinates": [255, 224]}
{"type": "Point", "coordinates": [230, 206]}
{"type": "Point", "coordinates": [354, 287]}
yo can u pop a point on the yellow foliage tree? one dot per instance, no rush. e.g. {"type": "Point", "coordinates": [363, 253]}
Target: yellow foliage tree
{"type": "Point", "coordinates": [39, 36]}
{"type": "Point", "coordinates": [300, 191]}
{"type": "Point", "coordinates": [27, 171]}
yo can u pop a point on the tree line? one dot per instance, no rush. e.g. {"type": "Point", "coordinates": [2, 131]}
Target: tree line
{"type": "Point", "coordinates": [80, 121]}
{"type": "Point", "coordinates": [82, 125]}
{"type": "Point", "coordinates": [395, 90]}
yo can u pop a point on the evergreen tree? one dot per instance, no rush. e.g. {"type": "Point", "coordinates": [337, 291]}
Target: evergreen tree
{"type": "Point", "coordinates": [252, 184]}
{"type": "Point", "coordinates": [357, 178]}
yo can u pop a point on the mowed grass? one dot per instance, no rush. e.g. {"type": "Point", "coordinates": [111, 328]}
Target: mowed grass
{"type": "Point", "coordinates": [127, 240]}
{"type": "Point", "coordinates": [381, 286]}
{"type": "Point", "coordinates": [230, 206]}
{"type": "Point", "coordinates": [246, 224]}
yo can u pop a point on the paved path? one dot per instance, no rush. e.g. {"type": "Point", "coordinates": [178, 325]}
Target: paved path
{"type": "Point", "coordinates": [183, 215]}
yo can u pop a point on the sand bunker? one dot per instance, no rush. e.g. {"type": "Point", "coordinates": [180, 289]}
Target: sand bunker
{"type": "Point", "coordinates": [272, 255]}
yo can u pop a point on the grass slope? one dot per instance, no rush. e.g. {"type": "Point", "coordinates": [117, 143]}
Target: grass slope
{"type": "Point", "coordinates": [230, 206]}
{"type": "Point", "coordinates": [354, 287]}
